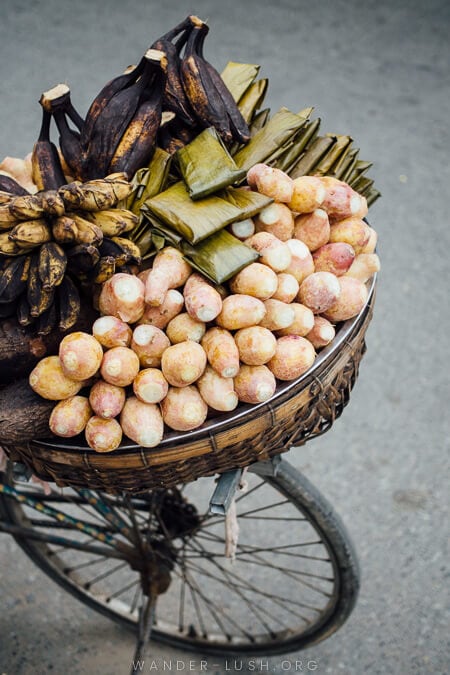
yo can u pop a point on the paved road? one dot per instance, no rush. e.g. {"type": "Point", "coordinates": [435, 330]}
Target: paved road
{"type": "Point", "coordinates": [377, 70]}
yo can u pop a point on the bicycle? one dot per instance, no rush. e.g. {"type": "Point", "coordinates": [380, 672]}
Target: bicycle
{"type": "Point", "coordinates": [153, 560]}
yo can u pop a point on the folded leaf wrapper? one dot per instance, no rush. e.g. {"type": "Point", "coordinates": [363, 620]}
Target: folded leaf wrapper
{"type": "Point", "coordinates": [196, 220]}
{"type": "Point", "coordinates": [206, 165]}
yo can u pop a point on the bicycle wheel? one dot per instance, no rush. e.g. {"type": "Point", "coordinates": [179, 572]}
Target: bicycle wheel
{"type": "Point", "coordinates": [293, 582]}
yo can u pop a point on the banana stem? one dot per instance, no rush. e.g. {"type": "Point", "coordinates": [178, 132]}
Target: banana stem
{"type": "Point", "coordinates": [44, 133]}
{"type": "Point", "coordinates": [176, 30]}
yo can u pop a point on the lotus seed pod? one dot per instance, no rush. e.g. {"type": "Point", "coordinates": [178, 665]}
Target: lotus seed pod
{"type": "Point", "coordinates": [142, 422]}
{"type": "Point", "coordinates": [120, 366]}
{"type": "Point", "coordinates": [313, 229]}
{"type": "Point", "coordinates": [256, 345]}
{"type": "Point", "coordinates": [183, 363]}
{"type": "Point", "coordinates": [103, 435]}
{"type": "Point", "coordinates": [184, 409]}
{"type": "Point", "coordinates": [254, 384]}
{"type": "Point", "coordinates": [277, 219]}
{"type": "Point", "coordinates": [80, 355]}
{"type": "Point", "coordinates": [107, 400]}
{"type": "Point", "coordinates": [111, 332]}
{"type": "Point", "coordinates": [221, 351]}
{"type": "Point", "coordinates": [149, 343]}
{"type": "Point", "coordinates": [319, 291]}
{"type": "Point", "coordinates": [293, 357]}
{"type": "Point", "coordinates": [69, 417]}
{"type": "Point", "coordinates": [308, 194]}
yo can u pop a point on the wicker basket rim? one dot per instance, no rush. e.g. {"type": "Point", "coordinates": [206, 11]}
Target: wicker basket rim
{"type": "Point", "coordinates": [248, 411]}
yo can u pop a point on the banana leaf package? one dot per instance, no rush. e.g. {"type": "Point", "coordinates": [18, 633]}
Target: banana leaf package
{"type": "Point", "coordinates": [196, 220]}
{"type": "Point", "coordinates": [206, 165]}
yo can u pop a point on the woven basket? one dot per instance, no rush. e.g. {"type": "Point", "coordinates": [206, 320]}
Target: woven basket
{"type": "Point", "coordinates": [299, 410]}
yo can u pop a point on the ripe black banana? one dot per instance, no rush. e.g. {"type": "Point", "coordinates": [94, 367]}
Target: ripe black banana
{"type": "Point", "coordinates": [23, 311]}
{"type": "Point", "coordinates": [137, 144]}
{"type": "Point", "coordinates": [104, 270]}
{"type": "Point", "coordinates": [82, 258]}
{"type": "Point", "coordinates": [208, 105]}
{"type": "Point", "coordinates": [175, 98]}
{"type": "Point", "coordinates": [102, 99]}
{"type": "Point", "coordinates": [64, 230]}
{"type": "Point", "coordinates": [96, 195]}
{"type": "Point", "coordinates": [69, 303]}
{"type": "Point", "coordinates": [130, 248]}
{"type": "Point", "coordinates": [38, 298]}
{"type": "Point", "coordinates": [30, 207]}
{"type": "Point", "coordinates": [11, 248]}
{"type": "Point", "coordinates": [47, 172]}
{"type": "Point", "coordinates": [113, 222]}
{"type": "Point", "coordinates": [239, 127]}
{"type": "Point", "coordinates": [8, 184]}
{"type": "Point", "coordinates": [31, 233]}
{"type": "Point", "coordinates": [13, 280]}
{"type": "Point", "coordinates": [87, 232]}
{"type": "Point", "coordinates": [108, 247]}
{"type": "Point", "coordinates": [52, 265]}
{"type": "Point", "coordinates": [70, 144]}
{"type": "Point", "coordinates": [47, 321]}
{"type": "Point", "coordinates": [114, 120]}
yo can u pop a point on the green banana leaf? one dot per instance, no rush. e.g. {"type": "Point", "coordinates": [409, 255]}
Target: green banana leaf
{"type": "Point", "coordinates": [372, 196]}
{"type": "Point", "coordinates": [253, 98]}
{"type": "Point", "coordinates": [248, 202]}
{"type": "Point", "coordinates": [326, 164]}
{"type": "Point", "coordinates": [206, 165]}
{"type": "Point", "coordinates": [311, 157]}
{"type": "Point", "coordinates": [346, 163]}
{"type": "Point", "coordinates": [194, 220]}
{"type": "Point", "coordinates": [259, 120]}
{"type": "Point", "coordinates": [274, 134]}
{"type": "Point", "coordinates": [220, 256]}
{"type": "Point", "coordinates": [306, 135]}
{"type": "Point", "coordinates": [238, 77]}
{"type": "Point", "coordinates": [150, 180]}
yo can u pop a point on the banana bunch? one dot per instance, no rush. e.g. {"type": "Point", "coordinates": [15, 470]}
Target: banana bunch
{"type": "Point", "coordinates": [60, 241]}
{"type": "Point", "coordinates": [119, 133]}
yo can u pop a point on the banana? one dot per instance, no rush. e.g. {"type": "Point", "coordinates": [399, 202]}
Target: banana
{"type": "Point", "coordinates": [200, 90]}
{"type": "Point", "coordinates": [52, 203]}
{"type": "Point", "coordinates": [47, 321]}
{"type": "Point", "coordinates": [136, 146]}
{"type": "Point", "coordinates": [102, 99]}
{"type": "Point", "coordinates": [114, 120]}
{"type": "Point", "coordinates": [69, 304]}
{"type": "Point", "coordinates": [104, 270]}
{"type": "Point", "coordinates": [130, 248]}
{"type": "Point", "coordinates": [38, 299]}
{"type": "Point", "coordinates": [47, 171]}
{"type": "Point", "coordinates": [175, 98]}
{"type": "Point", "coordinates": [52, 265]}
{"type": "Point", "coordinates": [31, 233]}
{"type": "Point", "coordinates": [70, 144]}
{"type": "Point", "coordinates": [87, 232]}
{"type": "Point", "coordinates": [113, 222]}
{"type": "Point", "coordinates": [239, 127]}
{"type": "Point", "coordinates": [64, 230]}
{"type": "Point", "coordinates": [11, 248]}
{"type": "Point", "coordinates": [82, 259]}
{"type": "Point", "coordinates": [13, 280]}
{"type": "Point", "coordinates": [8, 184]}
{"type": "Point", "coordinates": [108, 247]}
{"type": "Point", "coordinates": [5, 214]}
{"type": "Point", "coordinates": [30, 207]}
{"type": "Point", "coordinates": [23, 311]}
{"type": "Point", "coordinates": [96, 195]}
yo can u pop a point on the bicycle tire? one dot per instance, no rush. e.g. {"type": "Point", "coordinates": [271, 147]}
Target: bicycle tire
{"type": "Point", "coordinates": [301, 495]}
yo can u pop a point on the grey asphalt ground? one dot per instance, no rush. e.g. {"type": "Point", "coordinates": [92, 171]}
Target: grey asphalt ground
{"type": "Point", "coordinates": [379, 70]}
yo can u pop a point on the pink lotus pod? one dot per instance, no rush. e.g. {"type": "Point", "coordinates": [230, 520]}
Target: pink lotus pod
{"type": "Point", "coordinates": [256, 345]}
{"type": "Point", "coordinates": [69, 417]}
{"type": "Point", "coordinates": [302, 264]}
{"type": "Point", "coordinates": [150, 385]}
{"type": "Point", "coordinates": [240, 311]}
{"type": "Point", "coordinates": [287, 288]}
{"type": "Point", "coordinates": [303, 321]}
{"type": "Point", "coordinates": [183, 363]}
{"type": "Point", "coordinates": [221, 351]}
{"type": "Point", "coordinates": [80, 355]}
{"type": "Point", "coordinates": [217, 391]}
